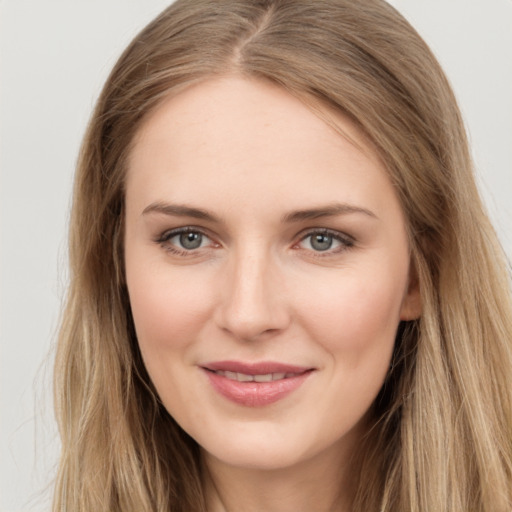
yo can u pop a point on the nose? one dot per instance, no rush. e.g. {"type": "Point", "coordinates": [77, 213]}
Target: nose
{"type": "Point", "coordinates": [252, 301]}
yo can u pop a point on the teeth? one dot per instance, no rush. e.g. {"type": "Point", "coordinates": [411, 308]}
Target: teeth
{"type": "Point", "coordinates": [263, 378]}
{"type": "Point", "coordinates": [242, 377]}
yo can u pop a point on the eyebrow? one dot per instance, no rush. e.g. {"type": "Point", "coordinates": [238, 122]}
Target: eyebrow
{"type": "Point", "coordinates": [179, 210]}
{"type": "Point", "coordinates": [331, 210]}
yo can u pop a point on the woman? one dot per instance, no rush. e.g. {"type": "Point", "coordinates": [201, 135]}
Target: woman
{"type": "Point", "coordinates": [285, 294]}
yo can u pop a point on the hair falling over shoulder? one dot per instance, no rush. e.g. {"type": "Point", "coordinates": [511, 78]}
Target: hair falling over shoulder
{"type": "Point", "coordinates": [442, 425]}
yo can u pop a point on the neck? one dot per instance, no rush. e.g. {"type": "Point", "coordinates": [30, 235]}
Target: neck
{"type": "Point", "coordinates": [324, 483]}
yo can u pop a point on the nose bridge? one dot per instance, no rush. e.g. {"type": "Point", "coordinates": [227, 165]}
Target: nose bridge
{"type": "Point", "coordinates": [252, 302]}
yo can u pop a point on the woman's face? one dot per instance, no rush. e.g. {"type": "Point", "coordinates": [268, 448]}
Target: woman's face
{"type": "Point", "coordinates": [268, 269]}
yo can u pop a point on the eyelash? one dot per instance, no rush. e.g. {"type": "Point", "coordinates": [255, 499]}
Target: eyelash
{"type": "Point", "coordinates": [166, 236]}
{"type": "Point", "coordinates": [346, 242]}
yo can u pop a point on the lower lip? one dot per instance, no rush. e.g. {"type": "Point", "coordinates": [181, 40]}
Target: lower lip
{"type": "Point", "coordinates": [255, 394]}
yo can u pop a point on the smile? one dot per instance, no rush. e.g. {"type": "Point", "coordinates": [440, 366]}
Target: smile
{"type": "Point", "coordinates": [255, 385]}
{"type": "Point", "coordinates": [266, 377]}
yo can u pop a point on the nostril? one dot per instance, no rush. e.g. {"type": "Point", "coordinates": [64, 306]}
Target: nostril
{"type": "Point", "coordinates": [252, 324]}
{"type": "Point", "coordinates": [251, 305]}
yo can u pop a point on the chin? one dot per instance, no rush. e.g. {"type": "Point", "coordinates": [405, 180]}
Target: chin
{"type": "Point", "coordinates": [264, 447]}
{"type": "Point", "coordinates": [258, 456]}
{"type": "Point", "coordinates": [256, 446]}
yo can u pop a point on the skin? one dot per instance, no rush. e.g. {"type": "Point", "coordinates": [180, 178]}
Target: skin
{"type": "Point", "coordinates": [258, 289]}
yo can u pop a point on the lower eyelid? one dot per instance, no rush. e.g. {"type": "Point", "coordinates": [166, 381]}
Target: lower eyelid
{"type": "Point", "coordinates": [171, 233]}
{"type": "Point", "coordinates": [175, 248]}
{"type": "Point", "coordinates": [343, 239]}
{"type": "Point", "coordinates": [337, 246]}
{"type": "Point", "coordinates": [163, 239]}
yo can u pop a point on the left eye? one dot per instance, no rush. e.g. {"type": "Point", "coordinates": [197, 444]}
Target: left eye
{"type": "Point", "coordinates": [188, 240]}
{"type": "Point", "coordinates": [321, 242]}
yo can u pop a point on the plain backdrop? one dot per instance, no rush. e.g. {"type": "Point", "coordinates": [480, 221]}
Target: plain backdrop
{"type": "Point", "coordinates": [55, 55]}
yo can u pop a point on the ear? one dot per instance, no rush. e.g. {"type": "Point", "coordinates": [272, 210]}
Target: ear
{"type": "Point", "coordinates": [412, 305]}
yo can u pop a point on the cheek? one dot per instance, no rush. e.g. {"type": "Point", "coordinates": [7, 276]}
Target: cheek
{"type": "Point", "coordinates": [355, 316]}
{"type": "Point", "coordinates": [169, 312]}
{"type": "Point", "coordinates": [355, 322]}
{"type": "Point", "coordinates": [167, 307]}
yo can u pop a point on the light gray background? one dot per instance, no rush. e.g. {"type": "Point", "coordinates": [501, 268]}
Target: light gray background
{"type": "Point", "coordinates": [55, 55]}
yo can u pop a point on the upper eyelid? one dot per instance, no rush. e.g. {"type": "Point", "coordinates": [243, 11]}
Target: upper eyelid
{"type": "Point", "coordinates": [170, 233]}
{"type": "Point", "coordinates": [167, 234]}
{"type": "Point", "coordinates": [327, 231]}
{"type": "Point", "coordinates": [163, 240]}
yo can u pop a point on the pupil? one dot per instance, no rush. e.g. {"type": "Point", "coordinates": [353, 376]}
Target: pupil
{"type": "Point", "coordinates": [321, 242]}
{"type": "Point", "coordinates": [191, 240]}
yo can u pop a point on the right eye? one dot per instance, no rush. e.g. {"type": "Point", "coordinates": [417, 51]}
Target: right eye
{"type": "Point", "coordinates": [184, 240]}
{"type": "Point", "coordinates": [191, 240]}
{"type": "Point", "coordinates": [325, 242]}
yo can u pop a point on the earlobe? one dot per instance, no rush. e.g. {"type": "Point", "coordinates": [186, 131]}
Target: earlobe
{"type": "Point", "coordinates": [412, 304]}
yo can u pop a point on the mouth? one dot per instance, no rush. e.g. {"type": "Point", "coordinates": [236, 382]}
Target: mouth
{"type": "Point", "coordinates": [264, 377]}
{"type": "Point", "coordinates": [255, 384]}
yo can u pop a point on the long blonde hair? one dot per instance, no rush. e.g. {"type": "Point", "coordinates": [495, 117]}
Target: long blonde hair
{"type": "Point", "coordinates": [441, 438]}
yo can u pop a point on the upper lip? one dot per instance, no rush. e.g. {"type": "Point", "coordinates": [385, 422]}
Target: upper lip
{"type": "Point", "coordinates": [260, 368]}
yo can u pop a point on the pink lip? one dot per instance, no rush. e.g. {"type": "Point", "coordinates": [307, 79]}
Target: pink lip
{"type": "Point", "coordinates": [255, 394]}
{"type": "Point", "coordinates": [261, 368]}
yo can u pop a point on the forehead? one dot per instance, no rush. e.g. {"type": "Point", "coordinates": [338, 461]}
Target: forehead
{"type": "Point", "coordinates": [242, 107]}
{"type": "Point", "coordinates": [238, 137]}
